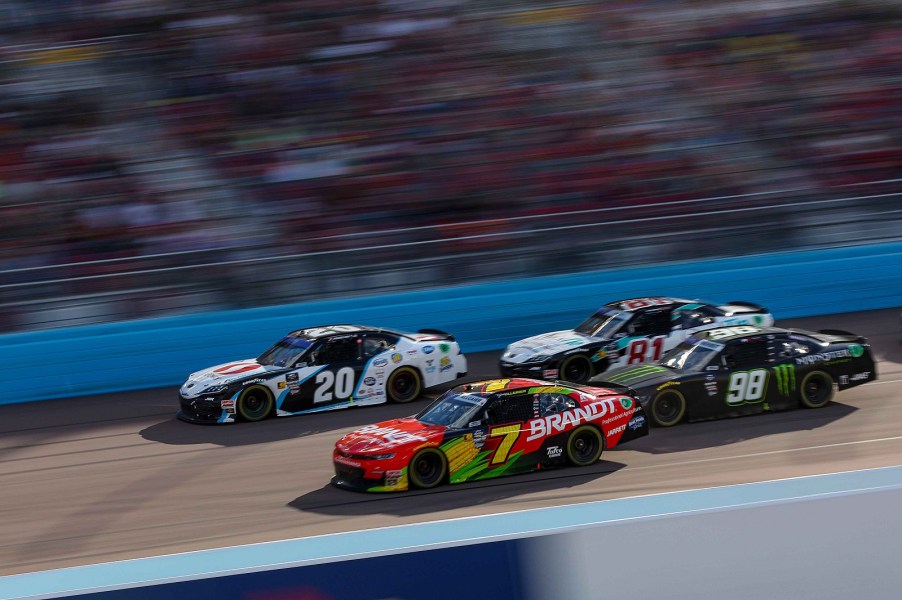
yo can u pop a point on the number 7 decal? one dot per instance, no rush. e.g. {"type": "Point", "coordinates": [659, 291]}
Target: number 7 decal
{"type": "Point", "coordinates": [510, 434]}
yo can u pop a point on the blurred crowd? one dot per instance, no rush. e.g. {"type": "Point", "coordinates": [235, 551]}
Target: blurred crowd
{"type": "Point", "coordinates": [142, 128]}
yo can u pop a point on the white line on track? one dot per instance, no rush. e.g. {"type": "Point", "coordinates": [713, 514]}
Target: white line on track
{"type": "Point", "coordinates": [767, 453]}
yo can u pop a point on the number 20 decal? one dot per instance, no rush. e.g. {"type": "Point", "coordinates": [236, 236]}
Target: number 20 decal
{"type": "Point", "coordinates": [343, 381]}
{"type": "Point", "coordinates": [747, 386]}
{"type": "Point", "coordinates": [510, 434]}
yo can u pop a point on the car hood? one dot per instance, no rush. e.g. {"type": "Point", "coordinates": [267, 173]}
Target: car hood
{"type": "Point", "coordinates": [228, 373]}
{"type": "Point", "coordinates": [390, 436]}
{"type": "Point", "coordinates": [636, 377]}
{"type": "Point", "coordinates": [551, 343]}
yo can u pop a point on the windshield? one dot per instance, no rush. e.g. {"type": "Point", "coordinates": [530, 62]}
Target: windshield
{"type": "Point", "coordinates": [453, 409]}
{"type": "Point", "coordinates": [604, 323]}
{"type": "Point", "coordinates": [692, 355]}
{"type": "Point", "coordinates": [285, 353]}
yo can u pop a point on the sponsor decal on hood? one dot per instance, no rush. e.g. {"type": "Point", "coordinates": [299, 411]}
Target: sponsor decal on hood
{"type": "Point", "coordinates": [639, 376]}
{"type": "Point", "coordinates": [546, 344]}
{"type": "Point", "coordinates": [389, 435]}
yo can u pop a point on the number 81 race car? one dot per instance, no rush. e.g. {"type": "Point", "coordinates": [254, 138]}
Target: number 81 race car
{"type": "Point", "coordinates": [624, 332]}
{"type": "Point", "coordinates": [320, 369]}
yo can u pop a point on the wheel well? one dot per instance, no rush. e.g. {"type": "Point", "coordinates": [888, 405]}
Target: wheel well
{"type": "Point", "coordinates": [599, 429]}
{"type": "Point", "coordinates": [446, 478]}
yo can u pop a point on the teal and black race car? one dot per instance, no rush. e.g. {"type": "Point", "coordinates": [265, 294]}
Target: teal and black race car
{"type": "Point", "coordinates": [735, 371]}
{"type": "Point", "coordinates": [323, 368]}
{"type": "Point", "coordinates": [625, 332]}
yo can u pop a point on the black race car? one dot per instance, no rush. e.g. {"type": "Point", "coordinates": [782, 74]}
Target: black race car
{"type": "Point", "coordinates": [734, 371]}
{"type": "Point", "coordinates": [625, 332]}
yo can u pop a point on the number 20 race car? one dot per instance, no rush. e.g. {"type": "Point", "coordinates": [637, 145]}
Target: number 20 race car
{"type": "Point", "coordinates": [323, 368]}
{"type": "Point", "coordinates": [734, 371]}
{"type": "Point", "coordinates": [625, 332]}
{"type": "Point", "coordinates": [488, 429]}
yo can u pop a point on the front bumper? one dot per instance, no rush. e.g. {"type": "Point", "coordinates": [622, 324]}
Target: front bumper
{"type": "Point", "coordinates": [369, 476]}
{"type": "Point", "coordinates": [202, 410]}
{"type": "Point", "coordinates": [530, 370]}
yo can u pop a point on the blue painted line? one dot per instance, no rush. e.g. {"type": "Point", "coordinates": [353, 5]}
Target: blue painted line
{"type": "Point", "coordinates": [455, 532]}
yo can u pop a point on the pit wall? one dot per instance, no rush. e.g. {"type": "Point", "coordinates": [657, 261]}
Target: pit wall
{"type": "Point", "coordinates": [160, 352]}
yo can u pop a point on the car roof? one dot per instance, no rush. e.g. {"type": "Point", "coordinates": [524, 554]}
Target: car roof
{"type": "Point", "coordinates": [723, 334]}
{"type": "Point", "coordinates": [315, 333]}
{"type": "Point", "coordinates": [496, 387]}
{"type": "Point", "coordinates": [653, 302]}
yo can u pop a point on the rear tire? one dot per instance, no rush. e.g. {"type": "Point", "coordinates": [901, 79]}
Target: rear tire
{"type": "Point", "coordinates": [404, 385]}
{"type": "Point", "coordinates": [584, 446]}
{"type": "Point", "coordinates": [667, 408]}
{"type": "Point", "coordinates": [575, 369]}
{"type": "Point", "coordinates": [427, 468]}
{"type": "Point", "coordinates": [255, 403]}
{"type": "Point", "coordinates": [816, 390]}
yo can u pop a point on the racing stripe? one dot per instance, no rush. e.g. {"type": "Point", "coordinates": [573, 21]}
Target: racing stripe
{"type": "Point", "coordinates": [281, 398]}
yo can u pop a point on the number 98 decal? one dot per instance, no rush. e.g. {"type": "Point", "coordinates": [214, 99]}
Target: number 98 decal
{"type": "Point", "coordinates": [747, 386]}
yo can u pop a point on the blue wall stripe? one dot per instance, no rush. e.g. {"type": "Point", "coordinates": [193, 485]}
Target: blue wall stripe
{"type": "Point", "coordinates": [160, 352]}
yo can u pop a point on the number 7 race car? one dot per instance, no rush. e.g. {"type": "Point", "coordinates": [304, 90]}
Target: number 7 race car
{"type": "Point", "coordinates": [734, 371]}
{"type": "Point", "coordinates": [323, 368]}
{"type": "Point", "coordinates": [625, 332]}
{"type": "Point", "coordinates": [488, 429]}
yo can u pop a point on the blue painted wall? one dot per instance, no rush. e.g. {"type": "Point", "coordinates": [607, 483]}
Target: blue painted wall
{"type": "Point", "coordinates": [160, 352]}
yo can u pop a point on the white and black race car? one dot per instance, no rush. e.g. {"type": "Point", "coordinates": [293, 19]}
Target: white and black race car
{"type": "Point", "coordinates": [320, 369]}
{"type": "Point", "coordinates": [620, 333]}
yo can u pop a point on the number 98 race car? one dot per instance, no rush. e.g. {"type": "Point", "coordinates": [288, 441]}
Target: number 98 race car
{"type": "Point", "coordinates": [323, 368]}
{"type": "Point", "coordinates": [735, 371]}
{"type": "Point", "coordinates": [625, 332]}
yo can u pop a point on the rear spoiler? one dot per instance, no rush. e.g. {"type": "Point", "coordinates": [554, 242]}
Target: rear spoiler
{"type": "Point", "coordinates": [619, 387]}
{"type": "Point", "coordinates": [750, 305]}
{"type": "Point", "coordinates": [844, 334]}
{"type": "Point", "coordinates": [438, 332]}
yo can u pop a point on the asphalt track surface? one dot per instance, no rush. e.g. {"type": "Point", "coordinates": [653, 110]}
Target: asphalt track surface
{"type": "Point", "coordinates": [112, 477]}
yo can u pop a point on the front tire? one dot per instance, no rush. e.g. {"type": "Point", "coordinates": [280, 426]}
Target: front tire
{"type": "Point", "coordinates": [816, 390]}
{"type": "Point", "coordinates": [584, 446]}
{"type": "Point", "coordinates": [255, 403]}
{"type": "Point", "coordinates": [575, 369]}
{"type": "Point", "coordinates": [404, 385]}
{"type": "Point", "coordinates": [427, 468]}
{"type": "Point", "coordinates": [668, 408]}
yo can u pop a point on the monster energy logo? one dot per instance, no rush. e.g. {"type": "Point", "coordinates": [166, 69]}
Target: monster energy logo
{"type": "Point", "coordinates": [637, 373]}
{"type": "Point", "coordinates": [786, 378]}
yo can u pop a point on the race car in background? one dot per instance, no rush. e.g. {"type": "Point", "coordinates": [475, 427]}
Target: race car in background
{"type": "Point", "coordinates": [323, 368]}
{"type": "Point", "coordinates": [488, 429]}
{"type": "Point", "coordinates": [735, 371]}
{"type": "Point", "coordinates": [625, 332]}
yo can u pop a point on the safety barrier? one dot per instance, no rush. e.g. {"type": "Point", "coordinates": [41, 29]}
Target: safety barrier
{"type": "Point", "coordinates": [825, 536]}
{"type": "Point", "coordinates": [160, 352]}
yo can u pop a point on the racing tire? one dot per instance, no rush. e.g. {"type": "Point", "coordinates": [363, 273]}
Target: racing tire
{"type": "Point", "coordinates": [575, 369]}
{"type": "Point", "coordinates": [404, 385]}
{"type": "Point", "coordinates": [427, 468]}
{"type": "Point", "coordinates": [255, 403]}
{"type": "Point", "coordinates": [816, 389]}
{"type": "Point", "coordinates": [667, 408]}
{"type": "Point", "coordinates": [584, 446]}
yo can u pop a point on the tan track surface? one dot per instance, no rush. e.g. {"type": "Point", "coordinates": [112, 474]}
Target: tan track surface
{"type": "Point", "coordinates": [113, 477]}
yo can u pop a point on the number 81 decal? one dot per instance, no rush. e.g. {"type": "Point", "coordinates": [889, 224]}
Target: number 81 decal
{"type": "Point", "coordinates": [747, 386]}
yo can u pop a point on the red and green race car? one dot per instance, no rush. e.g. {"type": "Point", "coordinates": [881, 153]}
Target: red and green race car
{"type": "Point", "coordinates": [487, 429]}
